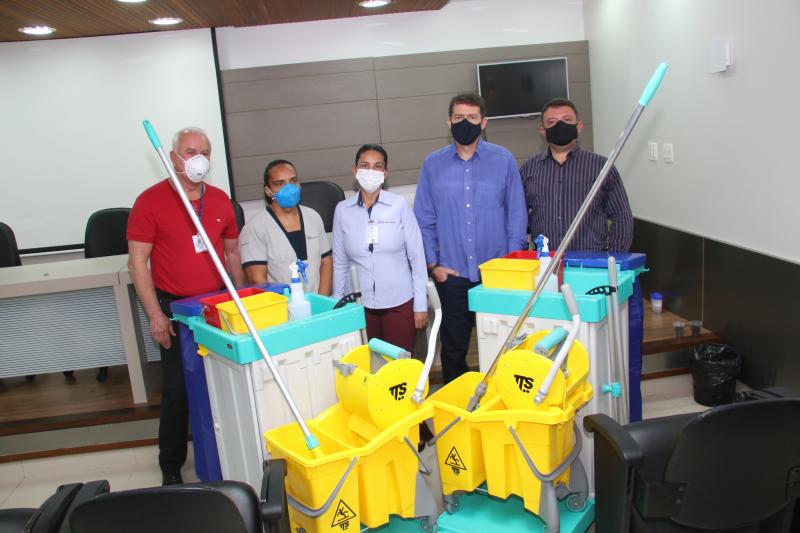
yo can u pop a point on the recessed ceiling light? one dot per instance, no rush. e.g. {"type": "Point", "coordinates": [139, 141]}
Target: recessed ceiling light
{"type": "Point", "coordinates": [166, 21]}
{"type": "Point", "coordinates": [37, 30]}
{"type": "Point", "coordinates": [131, 1]}
{"type": "Point", "coordinates": [374, 3]}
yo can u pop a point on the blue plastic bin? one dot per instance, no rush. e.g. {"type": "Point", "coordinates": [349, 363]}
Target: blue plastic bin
{"type": "Point", "coordinates": [206, 456]}
{"type": "Point", "coordinates": [637, 263]}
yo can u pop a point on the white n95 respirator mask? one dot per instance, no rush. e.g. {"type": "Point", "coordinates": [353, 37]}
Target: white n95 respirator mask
{"type": "Point", "coordinates": [196, 167]}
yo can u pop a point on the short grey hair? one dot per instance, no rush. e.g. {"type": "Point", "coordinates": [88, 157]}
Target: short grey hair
{"type": "Point", "coordinates": [176, 139]}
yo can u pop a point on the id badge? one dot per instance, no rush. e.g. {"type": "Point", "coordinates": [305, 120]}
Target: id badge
{"type": "Point", "coordinates": [372, 232]}
{"type": "Point", "coordinates": [199, 245]}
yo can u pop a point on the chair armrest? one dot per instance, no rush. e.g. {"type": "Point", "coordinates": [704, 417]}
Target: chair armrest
{"type": "Point", "coordinates": [618, 438]}
{"type": "Point", "coordinates": [274, 510]}
{"type": "Point", "coordinates": [616, 457]}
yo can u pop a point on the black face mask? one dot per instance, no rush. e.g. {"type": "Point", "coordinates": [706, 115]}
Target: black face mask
{"type": "Point", "coordinates": [561, 133]}
{"type": "Point", "coordinates": [465, 132]}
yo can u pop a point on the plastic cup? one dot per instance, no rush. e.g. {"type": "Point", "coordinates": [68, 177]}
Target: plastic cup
{"type": "Point", "coordinates": [656, 302]}
{"type": "Point", "coordinates": [679, 328]}
{"type": "Point", "coordinates": [696, 325]}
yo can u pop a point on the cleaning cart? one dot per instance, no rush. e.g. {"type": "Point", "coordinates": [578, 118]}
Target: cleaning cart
{"type": "Point", "coordinates": [368, 467]}
{"type": "Point", "coordinates": [522, 439]}
{"type": "Point", "coordinates": [245, 398]}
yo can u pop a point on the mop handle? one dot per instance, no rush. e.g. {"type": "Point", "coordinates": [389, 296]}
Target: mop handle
{"type": "Point", "coordinates": [311, 440]}
{"type": "Point", "coordinates": [618, 348]}
{"type": "Point", "coordinates": [647, 95]}
{"type": "Point", "coordinates": [436, 305]}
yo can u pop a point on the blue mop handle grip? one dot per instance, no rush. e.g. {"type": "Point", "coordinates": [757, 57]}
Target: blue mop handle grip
{"type": "Point", "coordinates": [384, 348]}
{"type": "Point", "coordinates": [550, 341]}
{"type": "Point", "coordinates": [652, 85]}
{"type": "Point", "coordinates": [151, 132]}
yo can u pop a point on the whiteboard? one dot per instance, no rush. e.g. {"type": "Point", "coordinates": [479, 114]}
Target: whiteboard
{"type": "Point", "coordinates": [71, 133]}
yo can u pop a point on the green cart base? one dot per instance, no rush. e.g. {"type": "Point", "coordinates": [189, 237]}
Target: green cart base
{"type": "Point", "coordinates": [479, 512]}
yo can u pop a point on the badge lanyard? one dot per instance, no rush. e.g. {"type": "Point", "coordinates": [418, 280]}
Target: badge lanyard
{"type": "Point", "coordinates": [199, 245]}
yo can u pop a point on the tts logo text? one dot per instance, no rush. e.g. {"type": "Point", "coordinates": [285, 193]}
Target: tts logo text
{"type": "Point", "coordinates": [398, 391]}
{"type": "Point", "coordinates": [524, 383]}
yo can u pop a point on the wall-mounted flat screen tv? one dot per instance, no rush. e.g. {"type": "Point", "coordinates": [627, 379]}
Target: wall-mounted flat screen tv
{"type": "Point", "coordinates": [521, 88]}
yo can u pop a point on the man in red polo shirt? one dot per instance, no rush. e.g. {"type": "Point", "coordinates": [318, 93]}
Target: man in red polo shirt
{"type": "Point", "coordinates": [160, 232]}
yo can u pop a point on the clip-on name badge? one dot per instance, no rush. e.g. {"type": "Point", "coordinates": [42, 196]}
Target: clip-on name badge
{"type": "Point", "coordinates": [372, 232]}
{"type": "Point", "coordinates": [199, 244]}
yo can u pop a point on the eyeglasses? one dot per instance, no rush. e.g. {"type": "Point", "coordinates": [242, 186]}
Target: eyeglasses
{"type": "Point", "coordinates": [474, 118]}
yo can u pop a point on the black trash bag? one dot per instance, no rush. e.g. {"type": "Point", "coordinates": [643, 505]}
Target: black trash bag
{"type": "Point", "coordinates": [715, 368]}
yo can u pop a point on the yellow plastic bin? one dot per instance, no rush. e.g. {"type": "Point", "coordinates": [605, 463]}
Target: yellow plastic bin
{"type": "Point", "coordinates": [461, 461]}
{"type": "Point", "coordinates": [383, 437]}
{"type": "Point", "coordinates": [266, 309]}
{"type": "Point", "coordinates": [387, 466]}
{"type": "Point", "coordinates": [313, 480]}
{"type": "Point", "coordinates": [516, 274]}
{"type": "Point", "coordinates": [481, 445]}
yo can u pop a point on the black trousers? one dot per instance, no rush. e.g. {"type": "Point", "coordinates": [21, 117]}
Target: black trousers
{"type": "Point", "coordinates": [457, 321]}
{"type": "Point", "coordinates": [173, 428]}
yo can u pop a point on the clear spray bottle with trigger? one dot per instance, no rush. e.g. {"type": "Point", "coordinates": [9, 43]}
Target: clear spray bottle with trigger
{"type": "Point", "coordinates": [299, 306]}
{"type": "Point", "coordinates": [551, 285]}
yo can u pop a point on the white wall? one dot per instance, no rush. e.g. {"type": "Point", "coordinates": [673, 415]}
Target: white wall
{"type": "Point", "coordinates": [735, 177]}
{"type": "Point", "coordinates": [71, 127]}
{"type": "Point", "coordinates": [460, 25]}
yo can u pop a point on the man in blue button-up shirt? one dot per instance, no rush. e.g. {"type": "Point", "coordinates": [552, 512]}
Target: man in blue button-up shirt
{"type": "Point", "coordinates": [470, 207]}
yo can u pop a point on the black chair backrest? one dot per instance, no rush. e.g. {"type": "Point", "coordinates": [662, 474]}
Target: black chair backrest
{"type": "Point", "coordinates": [322, 197]}
{"type": "Point", "coordinates": [239, 214]}
{"type": "Point", "coordinates": [739, 464]}
{"type": "Point", "coordinates": [224, 506]}
{"type": "Point", "coordinates": [9, 253]}
{"type": "Point", "coordinates": [105, 233]}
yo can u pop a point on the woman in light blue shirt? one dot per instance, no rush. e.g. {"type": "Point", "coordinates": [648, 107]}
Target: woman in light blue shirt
{"type": "Point", "coordinates": [377, 231]}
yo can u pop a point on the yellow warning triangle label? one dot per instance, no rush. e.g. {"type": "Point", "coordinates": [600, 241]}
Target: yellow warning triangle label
{"type": "Point", "coordinates": [454, 460]}
{"type": "Point", "coordinates": [343, 514]}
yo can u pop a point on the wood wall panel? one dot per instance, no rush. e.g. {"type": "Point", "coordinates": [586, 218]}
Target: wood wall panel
{"type": "Point", "coordinates": [318, 114]}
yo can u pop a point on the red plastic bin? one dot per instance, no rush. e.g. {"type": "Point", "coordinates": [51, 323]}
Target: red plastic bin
{"type": "Point", "coordinates": [521, 254]}
{"type": "Point", "coordinates": [525, 254]}
{"type": "Point", "coordinates": [209, 304]}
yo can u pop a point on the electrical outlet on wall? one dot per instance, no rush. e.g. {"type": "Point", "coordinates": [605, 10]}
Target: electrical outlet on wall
{"type": "Point", "coordinates": [652, 148]}
{"type": "Point", "coordinates": [668, 152]}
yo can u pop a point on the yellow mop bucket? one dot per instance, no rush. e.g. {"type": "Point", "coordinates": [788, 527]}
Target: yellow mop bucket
{"type": "Point", "coordinates": [321, 484]}
{"type": "Point", "coordinates": [373, 431]}
{"type": "Point", "coordinates": [458, 443]}
{"type": "Point", "coordinates": [509, 434]}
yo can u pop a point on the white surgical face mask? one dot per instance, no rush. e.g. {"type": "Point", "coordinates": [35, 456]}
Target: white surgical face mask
{"type": "Point", "coordinates": [369, 180]}
{"type": "Point", "coordinates": [196, 167]}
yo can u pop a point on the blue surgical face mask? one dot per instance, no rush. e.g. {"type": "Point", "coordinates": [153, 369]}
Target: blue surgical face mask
{"type": "Point", "coordinates": [288, 196]}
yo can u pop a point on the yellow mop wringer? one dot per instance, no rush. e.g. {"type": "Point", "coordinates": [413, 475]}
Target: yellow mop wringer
{"type": "Point", "coordinates": [368, 466]}
{"type": "Point", "coordinates": [522, 439]}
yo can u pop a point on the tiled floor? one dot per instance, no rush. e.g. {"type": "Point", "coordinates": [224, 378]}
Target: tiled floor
{"type": "Point", "coordinates": [29, 483]}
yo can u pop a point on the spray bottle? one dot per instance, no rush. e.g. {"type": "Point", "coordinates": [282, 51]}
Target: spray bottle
{"type": "Point", "coordinates": [299, 306]}
{"type": "Point", "coordinates": [544, 260]}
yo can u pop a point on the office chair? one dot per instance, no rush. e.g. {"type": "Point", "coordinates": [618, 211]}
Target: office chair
{"type": "Point", "coordinates": [9, 253]}
{"type": "Point", "coordinates": [105, 233]}
{"type": "Point", "coordinates": [104, 236]}
{"type": "Point", "coordinates": [219, 506]}
{"type": "Point", "coordinates": [54, 513]}
{"type": "Point", "coordinates": [322, 197]}
{"type": "Point", "coordinates": [733, 468]}
{"type": "Point", "coordinates": [239, 214]}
